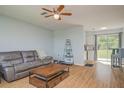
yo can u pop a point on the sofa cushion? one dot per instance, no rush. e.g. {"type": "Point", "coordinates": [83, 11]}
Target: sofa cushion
{"type": "Point", "coordinates": [28, 56]}
{"type": "Point", "coordinates": [7, 56]}
{"type": "Point", "coordinates": [28, 65]}
{"type": "Point", "coordinates": [22, 74]}
{"type": "Point", "coordinates": [36, 64]}
{"type": "Point", "coordinates": [28, 59]}
{"type": "Point", "coordinates": [22, 67]}
{"type": "Point", "coordinates": [11, 58]}
{"type": "Point", "coordinates": [17, 61]}
{"type": "Point", "coordinates": [27, 53]}
{"type": "Point", "coordinates": [12, 62]}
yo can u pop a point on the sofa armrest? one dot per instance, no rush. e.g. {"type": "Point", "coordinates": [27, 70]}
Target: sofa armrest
{"type": "Point", "coordinates": [47, 59]}
{"type": "Point", "coordinates": [9, 73]}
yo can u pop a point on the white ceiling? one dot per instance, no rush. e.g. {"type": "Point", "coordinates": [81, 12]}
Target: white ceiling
{"type": "Point", "coordinates": [91, 17]}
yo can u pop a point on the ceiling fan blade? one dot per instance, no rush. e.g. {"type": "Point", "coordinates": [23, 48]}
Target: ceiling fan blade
{"type": "Point", "coordinates": [60, 8]}
{"type": "Point", "coordinates": [43, 13]}
{"type": "Point", "coordinates": [48, 15]}
{"type": "Point", "coordinates": [47, 10]}
{"type": "Point", "coordinates": [54, 10]}
{"type": "Point", "coordinates": [67, 14]}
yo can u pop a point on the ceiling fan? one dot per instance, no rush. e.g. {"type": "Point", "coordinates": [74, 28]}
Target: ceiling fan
{"type": "Point", "coordinates": [55, 12]}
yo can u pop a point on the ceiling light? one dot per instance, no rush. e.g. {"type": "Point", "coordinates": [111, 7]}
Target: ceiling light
{"type": "Point", "coordinates": [56, 16]}
{"type": "Point", "coordinates": [103, 28]}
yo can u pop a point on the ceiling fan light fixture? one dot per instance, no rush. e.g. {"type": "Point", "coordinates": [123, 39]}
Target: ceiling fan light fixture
{"type": "Point", "coordinates": [103, 28]}
{"type": "Point", "coordinates": [56, 16]}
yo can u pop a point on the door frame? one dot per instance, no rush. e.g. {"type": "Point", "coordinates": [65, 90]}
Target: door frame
{"type": "Point", "coordinates": [96, 35]}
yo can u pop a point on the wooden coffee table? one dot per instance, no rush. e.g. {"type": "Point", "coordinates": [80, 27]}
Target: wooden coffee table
{"type": "Point", "coordinates": [49, 75]}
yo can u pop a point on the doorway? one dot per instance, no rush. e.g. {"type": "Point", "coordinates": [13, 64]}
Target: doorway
{"type": "Point", "coordinates": [105, 43]}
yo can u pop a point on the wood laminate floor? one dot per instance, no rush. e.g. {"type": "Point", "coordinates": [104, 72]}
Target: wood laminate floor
{"type": "Point", "coordinates": [98, 76]}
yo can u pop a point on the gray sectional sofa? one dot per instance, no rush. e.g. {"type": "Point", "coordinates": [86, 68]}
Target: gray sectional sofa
{"type": "Point", "coordinates": [17, 64]}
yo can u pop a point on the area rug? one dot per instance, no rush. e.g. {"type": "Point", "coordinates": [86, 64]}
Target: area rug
{"type": "Point", "coordinates": [89, 63]}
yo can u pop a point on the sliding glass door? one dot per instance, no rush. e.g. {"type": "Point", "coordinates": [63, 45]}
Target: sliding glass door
{"type": "Point", "coordinates": [105, 43]}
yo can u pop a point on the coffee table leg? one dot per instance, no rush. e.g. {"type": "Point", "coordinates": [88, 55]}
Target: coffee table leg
{"type": "Point", "coordinates": [68, 69]}
{"type": "Point", "coordinates": [29, 77]}
{"type": "Point", "coordinates": [47, 84]}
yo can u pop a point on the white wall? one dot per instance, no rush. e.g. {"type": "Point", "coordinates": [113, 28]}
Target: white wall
{"type": "Point", "coordinates": [18, 35]}
{"type": "Point", "coordinates": [77, 36]}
